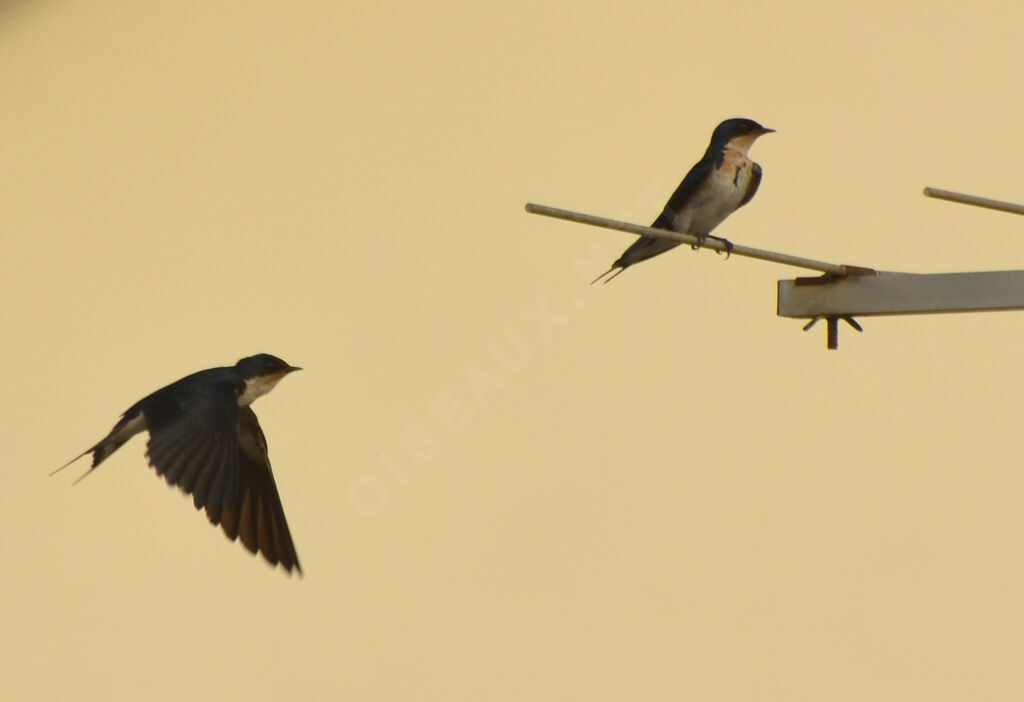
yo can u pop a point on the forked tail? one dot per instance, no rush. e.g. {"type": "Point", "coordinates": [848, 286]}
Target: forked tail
{"type": "Point", "coordinates": [99, 453]}
{"type": "Point", "coordinates": [617, 267]}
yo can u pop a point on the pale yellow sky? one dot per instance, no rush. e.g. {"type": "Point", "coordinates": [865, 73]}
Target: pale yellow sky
{"type": "Point", "coordinates": [668, 493]}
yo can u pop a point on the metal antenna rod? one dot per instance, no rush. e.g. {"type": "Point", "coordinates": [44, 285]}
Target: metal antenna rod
{"type": "Point", "coordinates": [709, 243]}
{"type": "Point", "coordinates": [974, 200]}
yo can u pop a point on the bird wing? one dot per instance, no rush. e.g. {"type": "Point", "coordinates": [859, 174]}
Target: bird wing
{"type": "Point", "coordinates": [193, 440]}
{"type": "Point", "coordinates": [648, 246]}
{"type": "Point", "coordinates": [689, 186]}
{"type": "Point", "coordinates": [753, 185]}
{"type": "Point", "coordinates": [257, 517]}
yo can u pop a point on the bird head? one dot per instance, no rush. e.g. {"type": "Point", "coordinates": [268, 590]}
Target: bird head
{"type": "Point", "coordinates": [738, 133]}
{"type": "Point", "coordinates": [261, 373]}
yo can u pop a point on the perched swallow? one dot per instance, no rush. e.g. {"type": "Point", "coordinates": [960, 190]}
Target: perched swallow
{"type": "Point", "coordinates": [204, 438]}
{"type": "Point", "coordinates": [723, 181]}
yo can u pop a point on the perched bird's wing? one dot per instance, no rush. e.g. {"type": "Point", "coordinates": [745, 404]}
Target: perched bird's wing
{"type": "Point", "coordinates": [257, 517]}
{"type": "Point", "coordinates": [753, 185]}
{"type": "Point", "coordinates": [685, 192]}
{"type": "Point", "coordinates": [648, 246]}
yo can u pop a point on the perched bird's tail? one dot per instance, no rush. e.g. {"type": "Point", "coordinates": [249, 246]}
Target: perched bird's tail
{"type": "Point", "coordinates": [640, 250]}
{"type": "Point", "coordinates": [615, 267]}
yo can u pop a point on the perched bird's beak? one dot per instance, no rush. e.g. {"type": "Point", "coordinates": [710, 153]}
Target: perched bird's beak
{"type": "Point", "coordinates": [765, 130]}
{"type": "Point", "coordinates": [292, 369]}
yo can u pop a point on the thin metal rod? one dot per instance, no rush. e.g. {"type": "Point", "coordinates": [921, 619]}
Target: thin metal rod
{"type": "Point", "coordinates": [709, 243]}
{"type": "Point", "coordinates": [974, 200]}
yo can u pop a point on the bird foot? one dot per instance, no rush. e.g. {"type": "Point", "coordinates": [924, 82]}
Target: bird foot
{"type": "Point", "coordinates": [726, 243]}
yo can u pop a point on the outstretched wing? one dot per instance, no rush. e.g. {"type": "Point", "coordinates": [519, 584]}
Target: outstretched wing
{"type": "Point", "coordinates": [212, 449]}
{"type": "Point", "coordinates": [257, 516]}
{"type": "Point", "coordinates": [193, 441]}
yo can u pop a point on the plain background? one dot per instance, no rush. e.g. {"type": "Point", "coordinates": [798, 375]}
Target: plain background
{"type": "Point", "coordinates": [503, 483]}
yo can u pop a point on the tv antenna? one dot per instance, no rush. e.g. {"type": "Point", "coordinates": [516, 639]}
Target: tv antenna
{"type": "Point", "coordinates": [844, 292]}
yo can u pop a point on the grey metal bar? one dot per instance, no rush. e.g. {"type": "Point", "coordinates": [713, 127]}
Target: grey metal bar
{"type": "Point", "coordinates": [974, 200]}
{"type": "Point", "coordinates": [901, 293]}
{"type": "Point", "coordinates": [737, 250]}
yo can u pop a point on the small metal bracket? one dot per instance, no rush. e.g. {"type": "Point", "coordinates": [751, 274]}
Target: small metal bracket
{"type": "Point", "coordinates": [832, 328]}
{"type": "Point", "coordinates": [832, 321]}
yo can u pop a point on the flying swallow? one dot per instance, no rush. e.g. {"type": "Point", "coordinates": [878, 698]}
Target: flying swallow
{"type": "Point", "coordinates": [724, 180]}
{"type": "Point", "coordinates": [205, 439]}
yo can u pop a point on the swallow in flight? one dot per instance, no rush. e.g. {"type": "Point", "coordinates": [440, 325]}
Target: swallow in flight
{"type": "Point", "coordinates": [205, 439]}
{"type": "Point", "coordinates": [720, 183]}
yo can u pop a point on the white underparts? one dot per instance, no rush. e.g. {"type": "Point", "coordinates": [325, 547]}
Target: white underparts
{"type": "Point", "coordinates": [258, 387]}
{"type": "Point", "coordinates": [134, 425]}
